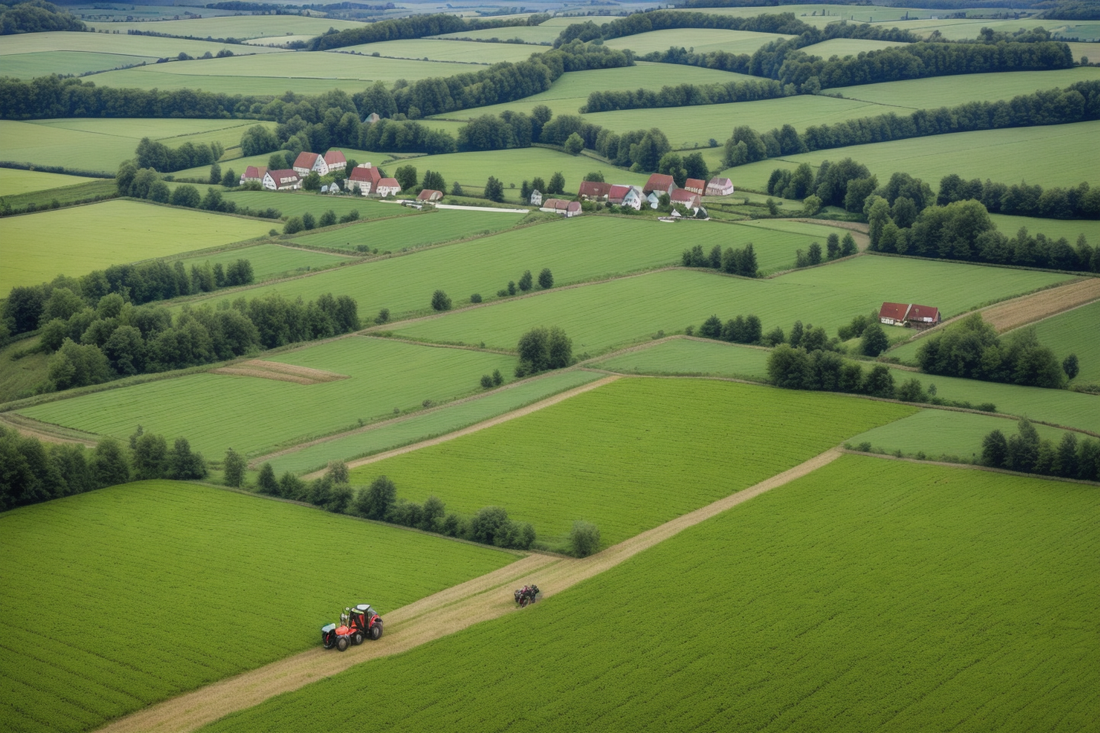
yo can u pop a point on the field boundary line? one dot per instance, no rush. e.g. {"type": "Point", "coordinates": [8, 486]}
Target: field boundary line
{"type": "Point", "coordinates": [442, 614]}
{"type": "Point", "coordinates": [512, 415]}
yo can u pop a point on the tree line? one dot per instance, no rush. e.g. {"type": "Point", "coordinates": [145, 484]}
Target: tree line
{"type": "Point", "coordinates": [144, 183]}
{"type": "Point", "coordinates": [1076, 103]}
{"type": "Point", "coordinates": [658, 20]}
{"type": "Point", "coordinates": [1020, 199]}
{"type": "Point", "coordinates": [741, 261]}
{"type": "Point", "coordinates": [684, 95]}
{"type": "Point", "coordinates": [161, 158]}
{"type": "Point", "coordinates": [1026, 453]}
{"type": "Point", "coordinates": [34, 472]}
{"type": "Point", "coordinates": [36, 16]}
{"type": "Point", "coordinates": [397, 29]}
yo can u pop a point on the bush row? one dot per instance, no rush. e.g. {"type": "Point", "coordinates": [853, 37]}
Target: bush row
{"type": "Point", "coordinates": [1026, 453]}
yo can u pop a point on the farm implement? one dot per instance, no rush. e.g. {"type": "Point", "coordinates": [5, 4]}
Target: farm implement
{"type": "Point", "coordinates": [526, 595]}
{"type": "Point", "coordinates": [356, 624]}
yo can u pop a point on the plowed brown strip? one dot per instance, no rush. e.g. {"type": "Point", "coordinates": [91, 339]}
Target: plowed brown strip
{"type": "Point", "coordinates": [279, 371]}
{"type": "Point", "coordinates": [430, 618]}
{"type": "Point", "coordinates": [1031, 308]}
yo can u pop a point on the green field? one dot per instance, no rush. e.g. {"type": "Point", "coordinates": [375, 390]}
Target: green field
{"type": "Point", "coordinates": [253, 415]}
{"type": "Point", "coordinates": [467, 52]}
{"type": "Point", "coordinates": [121, 44]}
{"type": "Point", "coordinates": [1091, 51]}
{"type": "Point", "coordinates": [575, 250]}
{"type": "Point", "coordinates": [701, 40]}
{"type": "Point", "coordinates": [446, 419]}
{"type": "Point", "coordinates": [951, 91]}
{"type": "Point", "coordinates": [296, 203]}
{"type": "Point", "coordinates": [630, 455]}
{"type": "Point", "coordinates": [270, 260]}
{"type": "Point", "coordinates": [301, 72]}
{"type": "Point", "coordinates": [619, 312]}
{"type": "Point", "coordinates": [542, 34]}
{"type": "Point", "coordinates": [19, 377]}
{"type": "Point", "coordinates": [1051, 228]}
{"type": "Point", "coordinates": [823, 14]}
{"type": "Point", "coordinates": [906, 597]}
{"type": "Point", "coordinates": [694, 357]}
{"type": "Point", "coordinates": [1075, 332]}
{"type": "Point", "coordinates": [237, 26]}
{"type": "Point", "coordinates": [101, 144]}
{"type": "Point", "coordinates": [942, 433]}
{"type": "Point", "coordinates": [14, 182]}
{"type": "Point", "coordinates": [843, 47]}
{"type": "Point", "coordinates": [67, 63]}
{"type": "Point", "coordinates": [160, 584]}
{"type": "Point", "coordinates": [1049, 156]}
{"type": "Point", "coordinates": [955, 29]}
{"type": "Point", "coordinates": [86, 238]}
{"type": "Point", "coordinates": [444, 225]}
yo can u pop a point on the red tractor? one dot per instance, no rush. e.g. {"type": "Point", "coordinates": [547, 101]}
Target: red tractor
{"type": "Point", "coordinates": [526, 595]}
{"type": "Point", "coordinates": [356, 624]}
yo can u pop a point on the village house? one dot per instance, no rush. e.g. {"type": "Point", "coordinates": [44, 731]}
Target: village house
{"type": "Point", "coordinates": [695, 186]}
{"type": "Point", "coordinates": [901, 314]}
{"type": "Point", "coordinates": [307, 163]}
{"type": "Point", "coordinates": [626, 196]}
{"type": "Point", "coordinates": [388, 187]}
{"type": "Point", "coordinates": [719, 187]}
{"type": "Point", "coordinates": [536, 198]}
{"type": "Point", "coordinates": [335, 161]}
{"type": "Point", "coordinates": [372, 118]}
{"type": "Point", "coordinates": [653, 200]}
{"type": "Point", "coordinates": [560, 206]}
{"type": "Point", "coordinates": [686, 198]}
{"type": "Point", "coordinates": [659, 183]}
{"type": "Point", "coordinates": [429, 196]}
{"type": "Point", "coordinates": [282, 180]}
{"type": "Point", "coordinates": [594, 190]}
{"type": "Point", "coordinates": [364, 178]}
{"type": "Point", "coordinates": [254, 174]}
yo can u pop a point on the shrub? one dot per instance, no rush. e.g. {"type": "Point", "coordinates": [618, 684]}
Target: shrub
{"type": "Point", "coordinates": [374, 502]}
{"type": "Point", "coordinates": [546, 279]}
{"type": "Point", "coordinates": [440, 301]}
{"type": "Point", "coordinates": [584, 539]}
{"type": "Point", "coordinates": [475, 298]}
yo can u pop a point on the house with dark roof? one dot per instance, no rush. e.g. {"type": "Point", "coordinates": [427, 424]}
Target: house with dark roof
{"type": "Point", "coordinates": [923, 316]}
{"type": "Point", "coordinates": [659, 183]}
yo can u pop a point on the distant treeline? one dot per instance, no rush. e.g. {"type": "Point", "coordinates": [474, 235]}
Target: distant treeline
{"type": "Point", "coordinates": [684, 95]}
{"type": "Point", "coordinates": [36, 16]}
{"type": "Point", "coordinates": [1073, 10]}
{"type": "Point", "coordinates": [1026, 453]}
{"type": "Point", "coordinates": [659, 20]}
{"type": "Point", "coordinates": [416, 26]}
{"type": "Point", "coordinates": [161, 158]}
{"type": "Point", "coordinates": [1021, 199]}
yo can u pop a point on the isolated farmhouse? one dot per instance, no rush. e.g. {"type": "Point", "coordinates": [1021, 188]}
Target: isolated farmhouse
{"type": "Point", "coordinates": [908, 314]}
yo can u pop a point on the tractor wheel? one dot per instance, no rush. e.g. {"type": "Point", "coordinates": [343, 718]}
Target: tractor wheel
{"type": "Point", "coordinates": [358, 638]}
{"type": "Point", "coordinates": [342, 644]}
{"type": "Point", "coordinates": [376, 632]}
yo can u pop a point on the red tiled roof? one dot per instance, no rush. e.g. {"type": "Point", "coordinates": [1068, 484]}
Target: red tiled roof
{"type": "Point", "coordinates": [695, 185]}
{"type": "Point", "coordinates": [893, 311]}
{"type": "Point", "coordinates": [924, 313]}
{"type": "Point", "coordinates": [594, 189]}
{"type": "Point", "coordinates": [618, 193]}
{"type": "Point", "coordinates": [255, 171]}
{"type": "Point", "coordinates": [360, 173]}
{"type": "Point", "coordinates": [335, 156]}
{"type": "Point", "coordinates": [658, 182]}
{"type": "Point", "coordinates": [429, 194]}
{"type": "Point", "coordinates": [684, 196]}
{"type": "Point", "coordinates": [305, 160]}
{"type": "Point", "coordinates": [561, 205]}
{"type": "Point", "coordinates": [389, 183]}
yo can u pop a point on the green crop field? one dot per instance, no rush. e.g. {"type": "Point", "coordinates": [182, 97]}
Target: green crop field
{"type": "Point", "coordinates": [619, 312]}
{"type": "Point", "coordinates": [270, 260]}
{"type": "Point", "coordinates": [702, 40]}
{"type": "Point", "coordinates": [278, 40]}
{"type": "Point", "coordinates": [296, 203]}
{"type": "Point", "coordinates": [541, 34]}
{"type": "Point", "coordinates": [574, 250]}
{"type": "Point", "coordinates": [441, 421]}
{"type": "Point", "coordinates": [14, 182]}
{"type": "Point", "coordinates": [467, 52]}
{"type": "Point", "coordinates": [19, 377]}
{"type": "Point", "coordinates": [303, 73]}
{"type": "Point", "coordinates": [694, 357]}
{"type": "Point", "coordinates": [570, 92]}
{"type": "Point", "coordinates": [1075, 332]}
{"type": "Point", "coordinates": [1049, 155]}
{"type": "Point", "coordinates": [397, 234]}
{"type": "Point", "coordinates": [908, 597]}
{"type": "Point", "coordinates": [1071, 229]}
{"type": "Point", "coordinates": [122, 44]}
{"type": "Point", "coordinates": [950, 91]}
{"type": "Point", "coordinates": [630, 455]}
{"type": "Point", "coordinates": [160, 586]}
{"type": "Point", "coordinates": [955, 29]}
{"type": "Point", "coordinates": [67, 63]}
{"type": "Point", "coordinates": [101, 144]}
{"type": "Point", "coordinates": [847, 47]}
{"type": "Point", "coordinates": [942, 433]}
{"type": "Point", "coordinates": [1091, 51]}
{"type": "Point", "coordinates": [86, 238]}
{"type": "Point", "coordinates": [237, 26]}
{"type": "Point", "coordinates": [822, 15]}
{"type": "Point", "coordinates": [253, 414]}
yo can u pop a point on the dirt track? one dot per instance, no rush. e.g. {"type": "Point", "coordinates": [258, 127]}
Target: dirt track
{"type": "Point", "coordinates": [24, 426]}
{"type": "Point", "coordinates": [1044, 304]}
{"type": "Point", "coordinates": [430, 618]}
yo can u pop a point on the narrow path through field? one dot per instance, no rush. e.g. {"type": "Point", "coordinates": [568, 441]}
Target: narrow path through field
{"type": "Point", "coordinates": [444, 613]}
{"type": "Point", "coordinates": [476, 427]}
{"type": "Point", "coordinates": [30, 428]}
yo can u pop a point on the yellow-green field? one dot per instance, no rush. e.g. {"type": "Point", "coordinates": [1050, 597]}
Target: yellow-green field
{"type": "Point", "coordinates": [950, 91]}
{"type": "Point", "coordinates": [847, 47]}
{"type": "Point", "coordinates": [123, 44]}
{"type": "Point", "coordinates": [528, 33]}
{"type": "Point", "coordinates": [702, 40]}
{"type": "Point", "coordinates": [38, 247]}
{"type": "Point", "coordinates": [467, 52]}
{"type": "Point", "coordinates": [237, 26]}
{"type": "Point", "coordinates": [14, 181]}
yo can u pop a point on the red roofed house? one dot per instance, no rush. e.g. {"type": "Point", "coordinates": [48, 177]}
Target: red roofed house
{"type": "Point", "coordinates": [695, 186]}
{"type": "Point", "coordinates": [254, 173]}
{"type": "Point", "coordinates": [429, 195]}
{"type": "Point", "coordinates": [388, 187]}
{"type": "Point", "coordinates": [660, 183]}
{"type": "Point", "coordinates": [284, 180]}
{"type": "Point", "coordinates": [923, 315]}
{"type": "Point", "coordinates": [594, 190]}
{"type": "Point", "coordinates": [560, 206]}
{"type": "Point", "coordinates": [364, 178]}
{"type": "Point", "coordinates": [307, 163]}
{"type": "Point", "coordinates": [625, 196]}
{"type": "Point", "coordinates": [901, 314]}
{"type": "Point", "coordinates": [893, 314]}
{"type": "Point", "coordinates": [686, 198]}
{"type": "Point", "coordinates": [719, 187]}
{"type": "Point", "coordinates": [335, 161]}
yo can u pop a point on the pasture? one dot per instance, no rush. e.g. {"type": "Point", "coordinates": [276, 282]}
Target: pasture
{"type": "Point", "coordinates": [121, 44]}
{"type": "Point", "coordinates": [466, 52]}
{"type": "Point", "coordinates": [67, 63]}
{"type": "Point", "coordinates": [296, 203]}
{"type": "Point", "coordinates": [700, 40]}
{"type": "Point", "coordinates": [165, 575]}
{"type": "Point", "coordinates": [616, 313]}
{"type": "Point", "coordinates": [303, 73]}
{"type": "Point", "coordinates": [86, 238]}
{"type": "Point", "coordinates": [240, 27]}
{"type": "Point", "coordinates": [627, 456]}
{"type": "Point", "coordinates": [951, 91]}
{"type": "Point", "coordinates": [959, 29]}
{"type": "Point", "coordinates": [823, 15]}
{"type": "Point", "coordinates": [270, 260]}
{"type": "Point", "coordinates": [540, 34]}
{"type": "Point", "coordinates": [1049, 156]}
{"type": "Point", "coordinates": [1070, 229]}
{"type": "Point", "coordinates": [444, 225]}
{"type": "Point", "coordinates": [1090, 51]}
{"type": "Point", "coordinates": [14, 182]}
{"type": "Point", "coordinates": [91, 144]}
{"type": "Point", "coordinates": [568, 248]}
{"type": "Point", "coordinates": [908, 597]}
{"type": "Point", "coordinates": [936, 434]}
{"type": "Point", "coordinates": [1075, 332]}
{"type": "Point", "coordinates": [253, 414]}
{"type": "Point", "coordinates": [843, 47]}
{"type": "Point", "coordinates": [694, 357]}
{"type": "Point", "coordinates": [429, 424]}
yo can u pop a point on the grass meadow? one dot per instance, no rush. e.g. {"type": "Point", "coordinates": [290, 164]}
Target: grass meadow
{"type": "Point", "coordinates": [1048, 155]}
{"type": "Point", "coordinates": [541, 34]}
{"type": "Point", "coordinates": [574, 250]}
{"type": "Point", "coordinates": [1051, 228]}
{"type": "Point", "coordinates": [270, 260]}
{"type": "Point", "coordinates": [423, 426]}
{"type": "Point", "coordinates": [404, 232]}
{"type": "Point", "coordinates": [950, 91]}
{"type": "Point", "coordinates": [617, 313]}
{"type": "Point", "coordinates": [121, 44]}
{"type": "Point", "coordinates": [630, 455]}
{"type": "Point", "coordinates": [1075, 332]}
{"type": "Point", "coordinates": [466, 52]}
{"type": "Point", "coordinates": [296, 203]}
{"type": "Point", "coordinates": [843, 47]}
{"type": "Point", "coordinates": [237, 26]}
{"type": "Point", "coordinates": [67, 63]}
{"type": "Point", "coordinates": [161, 585]}
{"type": "Point", "coordinates": [254, 415]}
{"type": "Point", "coordinates": [908, 597]}
{"type": "Point", "coordinates": [86, 238]}
{"type": "Point", "coordinates": [19, 377]}
{"type": "Point", "coordinates": [694, 357]}
{"type": "Point", "coordinates": [960, 29]}
{"type": "Point", "coordinates": [702, 40]}
{"type": "Point", "coordinates": [14, 182]}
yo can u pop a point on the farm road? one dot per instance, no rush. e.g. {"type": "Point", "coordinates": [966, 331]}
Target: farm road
{"type": "Point", "coordinates": [1044, 304]}
{"type": "Point", "coordinates": [442, 614]}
